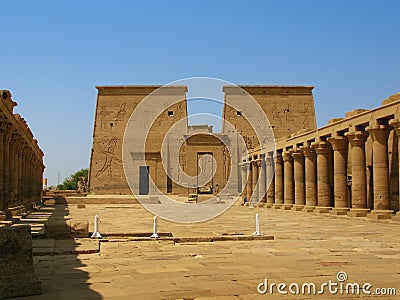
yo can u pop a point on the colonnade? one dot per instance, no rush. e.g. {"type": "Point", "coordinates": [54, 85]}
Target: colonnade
{"type": "Point", "coordinates": [21, 162]}
{"type": "Point", "coordinates": [326, 170]}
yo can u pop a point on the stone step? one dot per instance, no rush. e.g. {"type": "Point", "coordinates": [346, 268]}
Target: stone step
{"type": "Point", "coordinates": [33, 220]}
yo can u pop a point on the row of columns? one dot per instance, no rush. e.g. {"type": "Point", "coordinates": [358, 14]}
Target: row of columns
{"type": "Point", "coordinates": [21, 172]}
{"type": "Point", "coordinates": [302, 178]}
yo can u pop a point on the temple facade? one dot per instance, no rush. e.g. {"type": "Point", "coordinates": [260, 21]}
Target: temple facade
{"type": "Point", "coordinates": [288, 108]}
{"type": "Point", "coordinates": [21, 162]}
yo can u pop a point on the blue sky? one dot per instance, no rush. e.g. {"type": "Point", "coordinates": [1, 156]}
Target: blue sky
{"type": "Point", "coordinates": [54, 53]}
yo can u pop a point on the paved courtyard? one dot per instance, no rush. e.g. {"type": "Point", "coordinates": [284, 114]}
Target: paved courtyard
{"type": "Point", "coordinates": [308, 248]}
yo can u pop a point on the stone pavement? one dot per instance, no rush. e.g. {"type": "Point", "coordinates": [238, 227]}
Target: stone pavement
{"type": "Point", "coordinates": [308, 248]}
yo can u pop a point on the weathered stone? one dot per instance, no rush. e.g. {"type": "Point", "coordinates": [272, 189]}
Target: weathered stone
{"type": "Point", "coordinates": [80, 229]}
{"type": "Point", "coordinates": [17, 276]}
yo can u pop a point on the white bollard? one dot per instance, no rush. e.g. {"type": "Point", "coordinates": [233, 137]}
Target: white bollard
{"type": "Point", "coordinates": [96, 233]}
{"type": "Point", "coordinates": [257, 232]}
{"type": "Point", "coordinates": [155, 235]}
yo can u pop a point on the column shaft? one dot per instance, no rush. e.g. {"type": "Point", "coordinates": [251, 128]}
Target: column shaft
{"type": "Point", "coordinates": [339, 145]}
{"type": "Point", "coordinates": [380, 169]}
{"type": "Point", "coordinates": [395, 123]}
{"type": "Point", "coordinates": [6, 170]}
{"type": "Point", "coordinates": [270, 180]}
{"type": "Point", "coordinates": [243, 168]}
{"type": "Point", "coordinates": [249, 185]}
{"type": "Point", "coordinates": [278, 181]}
{"type": "Point", "coordinates": [2, 212]}
{"type": "Point", "coordinates": [263, 177]}
{"type": "Point", "coordinates": [310, 164]}
{"type": "Point", "coordinates": [298, 166]}
{"type": "Point", "coordinates": [288, 190]}
{"type": "Point", "coordinates": [254, 197]}
{"type": "Point", "coordinates": [323, 189]}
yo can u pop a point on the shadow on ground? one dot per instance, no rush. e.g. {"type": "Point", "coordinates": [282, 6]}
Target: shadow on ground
{"type": "Point", "coordinates": [56, 255]}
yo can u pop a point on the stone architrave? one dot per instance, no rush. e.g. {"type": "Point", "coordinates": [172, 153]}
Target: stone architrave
{"type": "Point", "coordinates": [299, 192]}
{"type": "Point", "coordinates": [380, 166]}
{"type": "Point", "coordinates": [339, 146]}
{"type": "Point", "coordinates": [358, 173]}
{"type": "Point", "coordinates": [323, 151]}
{"type": "Point", "coordinates": [395, 123]}
{"type": "Point", "coordinates": [310, 163]}
{"type": "Point", "coordinates": [288, 191]}
{"type": "Point", "coordinates": [278, 181]}
{"type": "Point", "coordinates": [17, 277]}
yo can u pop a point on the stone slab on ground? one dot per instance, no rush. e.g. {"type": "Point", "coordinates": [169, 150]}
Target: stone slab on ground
{"type": "Point", "coordinates": [308, 247]}
{"type": "Point", "coordinates": [42, 247]}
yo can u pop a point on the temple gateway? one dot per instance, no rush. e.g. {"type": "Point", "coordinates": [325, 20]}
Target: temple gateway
{"type": "Point", "coordinates": [288, 108]}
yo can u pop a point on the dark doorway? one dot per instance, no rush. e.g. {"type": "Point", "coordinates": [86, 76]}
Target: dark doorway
{"type": "Point", "coordinates": [208, 188]}
{"type": "Point", "coordinates": [143, 180]}
{"type": "Point", "coordinates": [169, 185]}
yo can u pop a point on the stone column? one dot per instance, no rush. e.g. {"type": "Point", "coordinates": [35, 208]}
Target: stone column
{"type": "Point", "coordinates": [249, 183]}
{"type": "Point", "coordinates": [298, 166]}
{"type": "Point", "coordinates": [254, 197]}
{"type": "Point", "coordinates": [288, 181]}
{"type": "Point", "coordinates": [2, 212]}
{"type": "Point", "coordinates": [262, 180]}
{"type": "Point", "coordinates": [13, 186]}
{"type": "Point", "coordinates": [395, 123]}
{"type": "Point", "coordinates": [24, 181]}
{"type": "Point", "coordinates": [21, 146]}
{"type": "Point", "coordinates": [6, 167]}
{"type": "Point", "coordinates": [270, 180]}
{"type": "Point", "coordinates": [323, 151]}
{"type": "Point", "coordinates": [278, 180]}
{"type": "Point", "coordinates": [380, 168]}
{"type": "Point", "coordinates": [339, 145]}
{"type": "Point", "coordinates": [243, 167]}
{"type": "Point", "coordinates": [358, 174]}
{"type": "Point", "coordinates": [30, 159]}
{"type": "Point", "coordinates": [310, 164]}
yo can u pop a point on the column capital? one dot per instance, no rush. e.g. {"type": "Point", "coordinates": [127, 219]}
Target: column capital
{"type": "Point", "coordinates": [259, 162]}
{"type": "Point", "coordinates": [395, 123]}
{"type": "Point", "coordinates": [7, 131]}
{"type": "Point", "coordinates": [379, 133]}
{"type": "Point", "coordinates": [3, 127]}
{"type": "Point", "coordinates": [308, 151]}
{"type": "Point", "coordinates": [14, 137]}
{"type": "Point", "coordinates": [278, 157]}
{"type": "Point", "coordinates": [338, 142]}
{"type": "Point", "coordinates": [321, 147]}
{"type": "Point", "coordinates": [26, 152]}
{"type": "Point", "coordinates": [297, 155]}
{"type": "Point", "coordinates": [21, 143]}
{"type": "Point", "coordinates": [357, 138]}
{"type": "Point", "coordinates": [287, 157]}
